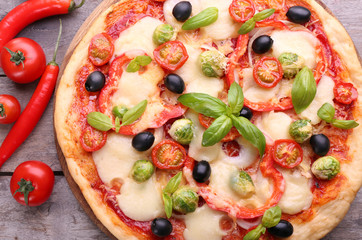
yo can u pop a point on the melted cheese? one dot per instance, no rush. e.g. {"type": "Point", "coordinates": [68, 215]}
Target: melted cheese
{"type": "Point", "coordinates": [275, 124]}
{"type": "Point", "coordinates": [297, 195]}
{"type": "Point", "coordinates": [300, 42]}
{"type": "Point", "coordinates": [204, 223]}
{"type": "Point", "coordinates": [324, 95]}
{"type": "Point", "coordinates": [141, 201]}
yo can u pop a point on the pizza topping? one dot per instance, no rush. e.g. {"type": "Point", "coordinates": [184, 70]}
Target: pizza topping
{"type": "Point", "coordinates": [168, 155]}
{"type": "Point", "coordinates": [320, 144]}
{"type": "Point", "coordinates": [136, 63]}
{"type": "Point", "coordinates": [299, 14]}
{"type": "Point", "coordinates": [242, 10]}
{"type": "Point", "coordinates": [143, 141]}
{"type": "Point", "coordinates": [95, 81]}
{"type": "Point", "coordinates": [175, 83]}
{"type": "Point", "coordinates": [283, 229]}
{"type": "Point", "coordinates": [202, 171]}
{"type": "Point", "coordinates": [163, 33]}
{"type": "Point", "coordinates": [171, 55]}
{"type": "Point", "coordinates": [242, 184]}
{"type": "Point", "coordinates": [170, 188]}
{"type": "Point", "coordinates": [262, 44]}
{"type": "Point", "coordinates": [142, 170]}
{"type": "Point", "coordinates": [301, 130]}
{"type": "Point", "coordinates": [326, 168]}
{"type": "Point", "coordinates": [287, 153]}
{"type": "Point", "coordinates": [182, 131]}
{"type": "Point", "coordinates": [345, 93]}
{"type": "Point", "coordinates": [327, 112]}
{"type": "Point", "coordinates": [250, 24]}
{"type": "Point", "coordinates": [101, 49]}
{"type": "Point", "coordinates": [185, 200]}
{"type": "Point", "coordinates": [161, 227]}
{"type": "Point", "coordinates": [182, 11]}
{"type": "Point", "coordinates": [92, 139]}
{"type": "Point", "coordinates": [268, 72]}
{"type": "Point", "coordinates": [119, 111]}
{"type": "Point", "coordinates": [203, 19]}
{"type": "Point", "coordinates": [99, 121]}
{"type": "Point", "coordinates": [246, 113]}
{"type": "Point", "coordinates": [213, 63]}
{"type": "Point", "coordinates": [291, 63]}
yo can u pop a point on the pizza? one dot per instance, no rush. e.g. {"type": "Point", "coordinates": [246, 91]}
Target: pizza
{"type": "Point", "coordinates": [210, 119]}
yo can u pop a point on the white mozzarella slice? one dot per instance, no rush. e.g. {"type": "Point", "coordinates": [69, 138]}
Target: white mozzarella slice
{"type": "Point", "coordinates": [324, 95]}
{"type": "Point", "coordinates": [196, 150]}
{"type": "Point", "coordinates": [204, 223]}
{"type": "Point", "coordinates": [140, 201]}
{"type": "Point", "coordinates": [193, 77]}
{"type": "Point", "coordinates": [298, 195]}
{"type": "Point", "coordinates": [275, 124]}
{"type": "Point", "coordinates": [138, 36]}
{"type": "Point", "coordinates": [302, 43]}
{"type": "Point", "coordinates": [170, 4]}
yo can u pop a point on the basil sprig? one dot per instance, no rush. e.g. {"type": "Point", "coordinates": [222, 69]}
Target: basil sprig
{"type": "Point", "coordinates": [170, 188]}
{"type": "Point", "coordinates": [304, 90]}
{"type": "Point", "coordinates": [137, 62]}
{"type": "Point", "coordinates": [99, 121]}
{"type": "Point", "coordinates": [249, 25]}
{"type": "Point", "coordinates": [134, 113]}
{"type": "Point", "coordinates": [203, 19]}
{"type": "Point", "coordinates": [225, 117]}
{"type": "Point", "coordinates": [327, 112]}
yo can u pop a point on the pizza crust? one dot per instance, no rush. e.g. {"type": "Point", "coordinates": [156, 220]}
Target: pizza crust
{"type": "Point", "coordinates": [325, 219]}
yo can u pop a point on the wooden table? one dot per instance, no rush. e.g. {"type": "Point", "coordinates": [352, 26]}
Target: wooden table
{"type": "Point", "coordinates": [61, 217]}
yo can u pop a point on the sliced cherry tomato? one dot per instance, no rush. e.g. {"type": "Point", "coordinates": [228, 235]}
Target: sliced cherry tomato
{"type": "Point", "coordinates": [287, 153]}
{"type": "Point", "coordinates": [206, 122]}
{"type": "Point", "coordinates": [9, 109]}
{"type": "Point", "coordinates": [268, 72]}
{"type": "Point", "coordinates": [345, 93]}
{"type": "Point", "coordinates": [232, 148]}
{"type": "Point", "coordinates": [92, 139]}
{"type": "Point", "coordinates": [23, 60]}
{"type": "Point", "coordinates": [242, 10]}
{"type": "Point", "coordinates": [171, 55]}
{"type": "Point", "coordinates": [100, 49]}
{"type": "Point", "coordinates": [32, 183]}
{"type": "Point", "coordinates": [168, 154]}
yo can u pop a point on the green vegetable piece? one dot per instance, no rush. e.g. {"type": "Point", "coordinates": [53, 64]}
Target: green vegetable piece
{"type": "Point", "coordinates": [242, 184]}
{"type": "Point", "coordinates": [99, 121]}
{"type": "Point", "coordinates": [235, 98]}
{"type": "Point", "coordinates": [326, 168]}
{"type": "Point", "coordinates": [173, 184]}
{"type": "Point", "coordinates": [119, 111]}
{"type": "Point", "coordinates": [301, 130]}
{"type": "Point", "coordinates": [326, 112]}
{"type": "Point", "coordinates": [134, 113]}
{"type": "Point", "coordinates": [304, 90]}
{"type": "Point", "coordinates": [137, 62]}
{"type": "Point", "coordinates": [344, 124]}
{"type": "Point", "coordinates": [271, 217]}
{"type": "Point", "coordinates": [167, 201]}
{"type": "Point", "coordinates": [203, 19]}
{"type": "Point", "coordinates": [217, 131]}
{"type": "Point", "coordinates": [182, 131]}
{"type": "Point", "coordinates": [117, 124]}
{"type": "Point", "coordinates": [142, 170]}
{"type": "Point", "coordinates": [247, 27]}
{"type": "Point", "coordinates": [185, 200]}
{"type": "Point", "coordinates": [264, 14]}
{"type": "Point", "coordinates": [256, 233]}
{"type": "Point", "coordinates": [291, 63]}
{"type": "Point", "coordinates": [163, 33]}
{"type": "Point", "coordinates": [213, 63]}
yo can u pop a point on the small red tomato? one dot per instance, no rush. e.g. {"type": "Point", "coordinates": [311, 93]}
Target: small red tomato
{"type": "Point", "coordinates": [241, 10]}
{"type": "Point", "coordinates": [92, 139]}
{"type": "Point", "coordinates": [101, 49]}
{"type": "Point", "coordinates": [9, 109]}
{"type": "Point", "coordinates": [171, 55]}
{"type": "Point", "coordinates": [287, 153]}
{"type": "Point", "coordinates": [32, 183]}
{"type": "Point", "coordinates": [268, 72]}
{"type": "Point", "coordinates": [345, 93]}
{"type": "Point", "coordinates": [168, 155]}
{"type": "Point", "coordinates": [23, 60]}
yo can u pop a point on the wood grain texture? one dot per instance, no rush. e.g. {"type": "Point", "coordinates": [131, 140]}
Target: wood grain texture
{"type": "Point", "coordinates": [62, 217]}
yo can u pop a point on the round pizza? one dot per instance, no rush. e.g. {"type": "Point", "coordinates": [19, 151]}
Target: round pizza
{"type": "Point", "coordinates": [213, 119]}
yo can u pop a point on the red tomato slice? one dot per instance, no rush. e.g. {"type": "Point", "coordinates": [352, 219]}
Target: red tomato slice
{"type": "Point", "coordinates": [92, 139]}
{"type": "Point", "coordinates": [171, 55]}
{"type": "Point", "coordinates": [268, 72]}
{"type": "Point", "coordinates": [206, 122]}
{"type": "Point", "coordinates": [9, 109]}
{"type": "Point", "coordinates": [242, 10]}
{"type": "Point", "coordinates": [345, 93]}
{"type": "Point", "coordinates": [168, 154]}
{"type": "Point", "coordinates": [100, 49]}
{"type": "Point", "coordinates": [287, 153]}
{"type": "Point", "coordinates": [231, 149]}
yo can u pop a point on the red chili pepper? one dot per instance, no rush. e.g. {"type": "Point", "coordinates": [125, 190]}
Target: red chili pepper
{"type": "Point", "coordinates": [33, 111]}
{"type": "Point", "coordinates": [29, 12]}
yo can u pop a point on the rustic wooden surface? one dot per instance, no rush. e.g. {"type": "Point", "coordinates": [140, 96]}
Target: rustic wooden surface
{"type": "Point", "coordinates": [61, 217]}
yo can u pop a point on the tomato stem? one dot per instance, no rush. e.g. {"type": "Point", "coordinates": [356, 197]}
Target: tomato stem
{"type": "Point", "coordinates": [16, 57]}
{"type": "Point", "coordinates": [57, 44]}
{"type": "Point", "coordinates": [25, 187]}
{"type": "Point", "coordinates": [2, 110]}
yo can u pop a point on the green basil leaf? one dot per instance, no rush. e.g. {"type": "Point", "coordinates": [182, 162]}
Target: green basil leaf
{"type": "Point", "coordinates": [304, 90]}
{"type": "Point", "coordinates": [134, 113]}
{"type": "Point", "coordinates": [167, 201]}
{"type": "Point", "coordinates": [143, 60]}
{"type": "Point", "coordinates": [255, 234]}
{"type": "Point", "coordinates": [173, 184]}
{"type": "Point", "coordinates": [203, 19]}
{"type": "Point", "coordinates": [204, 104]}
{"type": "Point", "coordinates": [117, 124]}
{"type": "Point", "coordinates": [137, 62]}
{"type": "Point", "coordinates": [133, 66]}
{"type": "Point", "coordinates": [271, 217]}
{"type": "Point", "coordinates": [217, 131]}
{"type": "Point", "coordinates": [250, 132]}
{"type": "Point", "coordinates": [99, 121]}
{"type": "Point", "coordinates": [326, 112]}
{"type": "Point", "coordinates": [247, 27]}
{"type": "Point", "coordinates": [264, 14]}
{"type": "Point", "coordinates": [344, 124]}
{"type": "Point", "coordinates": [235, 98]}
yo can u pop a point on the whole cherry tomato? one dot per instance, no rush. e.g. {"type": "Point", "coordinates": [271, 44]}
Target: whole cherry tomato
{"type": "Point", "coordinates": [287, 153]}
{"type": "Point", "coordinates": [168, 155]}
{"type": "Point", "coordinates": [23, 60]}
{"type": "Point", "coordinates": [171, 55]}
{"type": "Point", "coordinates": [345, 93]}
{"type": "Point", "coordinates": [32, 183]}
{"type": "Point", "coordinates": [268, 72]}
{"type": "Point", "coordinates": [241, 10]}
{"type": "Point", "coordinates": [9, 109]}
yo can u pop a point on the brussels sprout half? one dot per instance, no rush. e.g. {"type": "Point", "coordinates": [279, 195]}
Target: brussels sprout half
{"type": "Point", "coordinates": [301, 130]}
{"type": "Point", "coordinates": [326, 168]}
{"type": "Point", "coordinates": [182, 131]}
{"type": "Point", "coordinates": [291, 63]}
{"type": "Point", "coordinates": [142, 170]}
{"type": "Point", "coordinates": [242, 184]}
{"type": "Point", "coordinates": [185, 200]}
{"type": "Point", "coordinates": [213, 63]}
{"type": "Point", "coordinates": [163, 33]}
